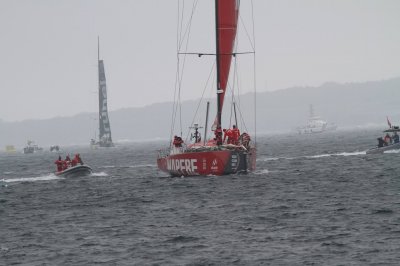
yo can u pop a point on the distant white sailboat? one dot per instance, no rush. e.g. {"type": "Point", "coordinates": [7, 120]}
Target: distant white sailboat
{"type": "Point", "coordinates": [315, 124]}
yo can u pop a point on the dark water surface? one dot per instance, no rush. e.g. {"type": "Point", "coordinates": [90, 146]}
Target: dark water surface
{"type": "Point", "coordinates": [314, 200]}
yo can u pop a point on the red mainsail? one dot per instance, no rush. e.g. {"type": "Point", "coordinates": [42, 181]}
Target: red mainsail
{"type": "Point", "coordinates": [227, 18]}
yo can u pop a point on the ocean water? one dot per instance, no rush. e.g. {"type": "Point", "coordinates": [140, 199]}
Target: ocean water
{"type": "Point", "coordinates": [313, 200]}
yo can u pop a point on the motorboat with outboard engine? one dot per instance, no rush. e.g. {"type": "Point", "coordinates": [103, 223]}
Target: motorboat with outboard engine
{"type": "Point", "coordinates": [75, 171]}
{"type": "Point", "coordinates": [391, 144]}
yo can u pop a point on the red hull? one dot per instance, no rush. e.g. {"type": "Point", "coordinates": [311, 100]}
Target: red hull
{"type": "Point", "coordinates": [222, 162]}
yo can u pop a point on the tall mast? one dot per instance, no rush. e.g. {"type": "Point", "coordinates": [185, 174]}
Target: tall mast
{"type": "Point", "coordinates": [217, 52]}
{"type": "Point", "coordinates": [99, 89]}
{"type": "Point", "coordinates": [98, 48]}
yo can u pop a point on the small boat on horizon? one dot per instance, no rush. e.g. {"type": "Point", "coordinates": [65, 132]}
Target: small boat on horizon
{"type": "Point", "coordinates": [10, 149]}
{"type": "Point", "coordinates": [31, 147]}
{"type": "Point", "coordinates": [55, 148]}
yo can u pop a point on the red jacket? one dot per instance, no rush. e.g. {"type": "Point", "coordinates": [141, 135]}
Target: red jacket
{"type": "Point", "coordinates": [59, 164]}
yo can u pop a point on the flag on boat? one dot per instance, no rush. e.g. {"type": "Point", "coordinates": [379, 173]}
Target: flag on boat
{"type": "Point", "coordinates": [389, 124]}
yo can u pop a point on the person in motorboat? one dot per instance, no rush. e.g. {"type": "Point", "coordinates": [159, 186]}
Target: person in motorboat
{"type": "Point", "coordinates": [388, 140]}
{"type": "Point", "coordinates": [77, 159]}
{"type": "Point", "coordinates": [64, 165]}
{"type": "Point", "coordinates": [68, 160]}
{"type": "Point", "coordinates": [59, 164]}
{"type": "Point", "coordinates": [395, 137]}
{"type": "Point", "coordinates": [381, 142]}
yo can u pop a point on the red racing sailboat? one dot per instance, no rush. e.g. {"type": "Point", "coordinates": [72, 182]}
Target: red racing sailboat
{"type": "Point", "coordinates": [220, 155]}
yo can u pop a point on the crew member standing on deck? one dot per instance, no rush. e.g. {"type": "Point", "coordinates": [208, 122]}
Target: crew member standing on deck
{"type": "Point", "coordinates": [218, 135]}
{"type": "Point", "coordinates": [235, 135]}
{"type": "Point", "coordinates": [228, 134]}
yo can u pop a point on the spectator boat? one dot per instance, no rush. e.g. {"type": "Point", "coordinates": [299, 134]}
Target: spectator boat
{"type": "Point", "coordinates": [75, 171]}
{"type": "Point", "coordinates": [381, 148]}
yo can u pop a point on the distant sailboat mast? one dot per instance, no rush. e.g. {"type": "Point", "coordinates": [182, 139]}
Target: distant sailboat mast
{"type": "Point", "coordinates": [105, 139]}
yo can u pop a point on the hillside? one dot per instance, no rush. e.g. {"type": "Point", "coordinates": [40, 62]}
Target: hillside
{"type": "Point", "coordinates": [347, 105]}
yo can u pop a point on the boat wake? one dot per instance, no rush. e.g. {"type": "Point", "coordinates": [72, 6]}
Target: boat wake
{"type": "Point", "coordinates": [337, 154]}
{"type": "Point", "coordinates": [392, 151]}
{"type": "Point", "coordinates": [261, 172]}
{"type": "Point", "coordinates": [130, 166]}
{"type": "Point", "coordinates": [356, 153]}
{"type": "Point", "coordinates": [142, 166]}
{"type": "Point", "coordinates": [99, 174]}
{"type": "Point", "coordinates": [32, 179]}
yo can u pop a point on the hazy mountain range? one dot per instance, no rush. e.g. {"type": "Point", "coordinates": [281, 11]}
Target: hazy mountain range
{"type": "Point", "coordinates": [347, 105]}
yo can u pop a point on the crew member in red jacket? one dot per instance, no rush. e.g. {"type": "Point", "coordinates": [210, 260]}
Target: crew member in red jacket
{"type": "Point", "coordinates": [235, 135]}
{"type": "Point", "coordinates": [77, 159]}
{"type": "Point", "coordinates": [228, 134]}
{"type": "Point", "coordinates": [59, 164]}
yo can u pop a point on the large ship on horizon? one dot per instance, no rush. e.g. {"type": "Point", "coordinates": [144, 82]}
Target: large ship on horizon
{"type": "Point", "coordinates": [315, 124]}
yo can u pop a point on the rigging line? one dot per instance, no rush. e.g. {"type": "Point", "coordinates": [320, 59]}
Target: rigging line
{"type": "Point", "coordinates": [255, 77]}
{"type": "Point", "coordinates": [180, 24]}
{"type": "Point", "coordinates": [183, 64]}
{"type": "Point", "coordinates": [180, 74]}
{"type": "Point", "coordinates": [187, 30]}
{"type": "Point", "coordinates": [178, 38]}
{"type": "Point", "coordinates": [174, 106]}
{"type": "Point", "coordinates": [233, 91]}
{"type": "Point", "coordinates": [242, 119]}
{"type": "Point", "coordinates": [201, 99]}
{"type": "Point", "coordinates": [177, 78]}
{"type": "Point", "coordinates": [238, 92]}
{"type": "Point", "coordinates": [245, 29]}
{"type": "Point", "coordinates": [235, 73]}
{"type": "Point", "coordinates": [243, 124]}
{"type": "Point", "coordinates": [233, 54]}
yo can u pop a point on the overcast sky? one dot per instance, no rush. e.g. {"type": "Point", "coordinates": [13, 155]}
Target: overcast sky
{"type": "Point", "coordinates": [48, 49]}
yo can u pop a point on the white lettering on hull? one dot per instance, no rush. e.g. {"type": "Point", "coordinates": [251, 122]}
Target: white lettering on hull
{"type": "Point", "coordinates": [188, 166]}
